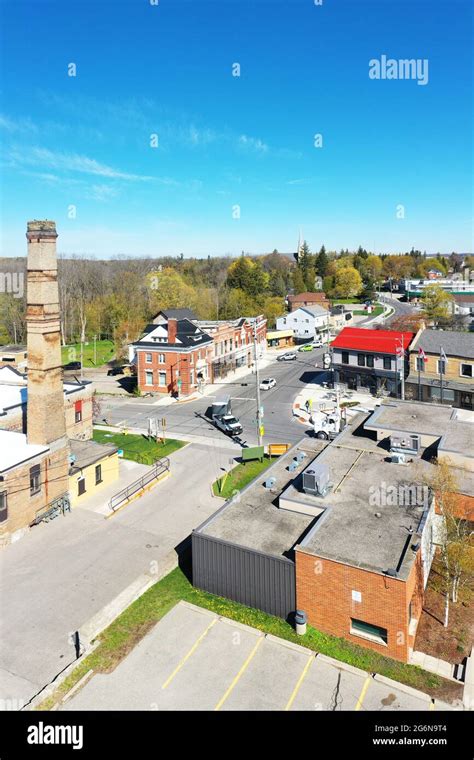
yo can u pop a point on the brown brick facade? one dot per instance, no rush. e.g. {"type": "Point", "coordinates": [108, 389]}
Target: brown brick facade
{"type": "Point", "coordinates": [324, 591]}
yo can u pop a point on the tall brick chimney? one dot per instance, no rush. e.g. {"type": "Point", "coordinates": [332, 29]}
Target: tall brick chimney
{"type": "Point", "coordinates": [45, 416]}
{"type": "Point", "coordinates": [172, 330]}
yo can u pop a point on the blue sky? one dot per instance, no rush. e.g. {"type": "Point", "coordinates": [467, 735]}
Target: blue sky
{"type": "Point", "coordinates": [227, 141]}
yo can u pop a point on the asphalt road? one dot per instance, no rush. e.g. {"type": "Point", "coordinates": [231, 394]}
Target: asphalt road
{"type": "Point", "coordinates": [189, 418]}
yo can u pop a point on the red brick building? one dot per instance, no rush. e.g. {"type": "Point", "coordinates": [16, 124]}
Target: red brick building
{"type": "Point", "coordinates": [173, 356]}
{"type": "Point", "coordinates": [233, 343]}
{"type": "Point", "coordinates": [317, 298]}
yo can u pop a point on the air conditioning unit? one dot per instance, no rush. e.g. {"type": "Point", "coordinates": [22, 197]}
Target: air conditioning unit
{"type": "Point", "coordinates": [409, 443]}
{"type": "Point", "coordinates": [398, 458]}
{"type": "Point", "coordinates": [316, 479]}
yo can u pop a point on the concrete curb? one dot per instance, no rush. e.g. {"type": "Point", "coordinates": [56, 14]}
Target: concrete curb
{"type": "Point", "coordinates": [344, 666]}
{"type": "Point", "coordinates": [290, 645]}
{"type": "Point", "coordinates": [78, 685]}
{"type": "Point", "coordinates": [402, 687]}
{"type": "Point", "coordinates": [241, 626]}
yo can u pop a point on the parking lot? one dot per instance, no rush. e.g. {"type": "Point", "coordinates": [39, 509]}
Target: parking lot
{"type": "Point", "coordinates": [194, 659]}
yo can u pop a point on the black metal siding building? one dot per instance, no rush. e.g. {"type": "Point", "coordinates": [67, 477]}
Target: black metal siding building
{"type": "Point", "coordinates": [245, 575]}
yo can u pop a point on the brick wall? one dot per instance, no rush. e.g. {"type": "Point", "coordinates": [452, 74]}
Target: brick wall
{"type": "Point", "coordinates": [15, 419]}
{"type": "Point", "coordinates": [174, 361]}
{"type": "Point", "coordinates": [22, 506]}
{"type": "Point", "coordinates": [324, 591]}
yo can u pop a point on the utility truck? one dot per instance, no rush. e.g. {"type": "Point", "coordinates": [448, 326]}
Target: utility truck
{"type": "Point", "coordinates": [327, 424]}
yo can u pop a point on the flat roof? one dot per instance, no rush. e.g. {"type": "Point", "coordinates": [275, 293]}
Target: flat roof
{"type": "Point", "coordinates": [369, 517]}
{"type": "Point", "coordinates": [255, 521]}
{"type": "Point", "coordinates": [411, 417]}
{"type": "Point", "coordinates": [15, 449]}
{"type": "Point", "coordinates": [89, 452]}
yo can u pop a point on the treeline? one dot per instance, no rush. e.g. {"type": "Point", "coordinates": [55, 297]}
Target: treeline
{"type": "Point", "coordinates": [115, 298]}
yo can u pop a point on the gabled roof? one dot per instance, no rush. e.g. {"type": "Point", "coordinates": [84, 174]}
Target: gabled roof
{"type": "Point", "coordinates": [377, 341]}
{"type": "Point", "coordinates": [454, 343]}
{"type": "Point", "coordinates": [176, 314]}
{"type": "Point", "coordinates": [308, 296]}
{"type": "Point", "coordinates": [187, 335]}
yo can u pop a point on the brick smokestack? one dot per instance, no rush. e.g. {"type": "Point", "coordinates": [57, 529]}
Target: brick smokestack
{"type": "Point", "coordinates": [45, 408]}
{"type": "Point", "coordinates": [172, 330]}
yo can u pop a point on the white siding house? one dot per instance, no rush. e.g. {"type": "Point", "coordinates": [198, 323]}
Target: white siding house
{"type": "Point", "coordinates": [306, 322]}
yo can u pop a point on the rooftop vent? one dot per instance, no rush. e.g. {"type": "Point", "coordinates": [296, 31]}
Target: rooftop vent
{"type": "Point", "coordinates": [300, 456]}
{"type": "Point", "coordinates": [316, 479]}
{"type": "Point", "coordinates": [292, 466]}
{"type": "Point", "coordinates": [270, 482]}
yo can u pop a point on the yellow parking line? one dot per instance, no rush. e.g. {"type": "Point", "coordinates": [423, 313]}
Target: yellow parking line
{"type": "Point", "coordinates": [363, 693]}
{"type": "Point", "coordinates": [239, 674]}
{"type": "Point", "coordinates": [188, 655]}
{"type": "Point", "coordinates": [298, 684]}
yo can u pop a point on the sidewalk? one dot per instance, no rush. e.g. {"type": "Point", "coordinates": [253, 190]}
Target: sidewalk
{"type": "Point", "coordinates": [99, 502]}
{"type": "Point", "coordinates": [211, 388]}
{"type": "Point", "coordinates": [325, 399]}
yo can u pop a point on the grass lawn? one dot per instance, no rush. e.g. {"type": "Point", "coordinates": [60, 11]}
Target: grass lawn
{"type": "Point", "coordinates": [124, 633]}
{"type": "Point", "coordinates": [240, 476]}
{"type": "Point", "coordinates": [363, 312]}
{"type": "Point", "coordinates": [104, 348]}
{"type": "Point", "coordinates": [137, 447]}
{"type": "Point", "coordinates": [354, 299]}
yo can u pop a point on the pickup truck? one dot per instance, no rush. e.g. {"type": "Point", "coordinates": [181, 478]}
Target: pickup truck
{"type": "Point", "coordinates": [228, 424]}
{"type": "Point", "coordinates": [223, 418]}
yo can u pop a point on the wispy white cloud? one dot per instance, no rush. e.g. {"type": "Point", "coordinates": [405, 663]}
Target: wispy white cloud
{"type": "Point", "coordinates": [300, 181]}
{"type": "Point", "coordinates": [22, 125]}
{"type": "Point", "coordinates": [253, 144]}
{"type": "Point", "coordinates": [71, 162]}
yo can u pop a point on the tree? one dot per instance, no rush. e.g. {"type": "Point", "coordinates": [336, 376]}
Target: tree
{"type": "Point", "coordinates": [298, 282]}
{"type": "Point", "coordinates": [276, 284]}
{"type": "Point", "coordinates": [437, 303]}
{"type": "Point", "coordinates": [455, 539]}
{"type": "Point", "coordinates": [238, 304]}
{"type": "Point", "coordinates": [348, 283]}
{"type": "Point", "coordinates": [273, 307]}
{"type": "Point", "coordinates": [247, 275]}
{"type": "Point", "coordinates": [372, 268]}
{"type": "Point", "coordinates": [322, 262]}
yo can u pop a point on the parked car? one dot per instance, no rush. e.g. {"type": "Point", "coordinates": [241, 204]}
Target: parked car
{"type": "Point", "coordinates": [267, 383]}
{"type": "Point", "coordinates": [306, 347]}
{"type": "Point", "coordinates": [115, 371]}
{"type": "Point", "coordinates": [290, 356]}
{"type": "Point", "coordinates": [317, 344]}
{"type": "Point", "coordinates": [72, 365]}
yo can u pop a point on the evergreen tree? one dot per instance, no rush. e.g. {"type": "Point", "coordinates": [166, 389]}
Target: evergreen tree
{"type": "Point", "coordinates": [322, 262]}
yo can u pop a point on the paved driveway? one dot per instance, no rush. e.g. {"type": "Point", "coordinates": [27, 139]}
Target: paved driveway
{"type": "Point", "coordinates": [195, 660]}
{"type": "Point", "coordinates": [62, 574]}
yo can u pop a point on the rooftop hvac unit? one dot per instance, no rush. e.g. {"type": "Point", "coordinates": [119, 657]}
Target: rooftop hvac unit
{"type": "Point", "coordinates": [270, 482]}
{"type": "Point", "coordinates": [410, 443]}
{"type": "Point", "coordinates": [300, 456]}
{"type": "Point", "coordinates": [316, 479]}
{"type": "Point", "coordinates": [292, 466]}
{"type": "Point", "coordinates": [397, 458]}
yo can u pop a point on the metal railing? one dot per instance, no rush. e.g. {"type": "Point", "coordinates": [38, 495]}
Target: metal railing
{"type": "Point", "coordinates": [159, 467]}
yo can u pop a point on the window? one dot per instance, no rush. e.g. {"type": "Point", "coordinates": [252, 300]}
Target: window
{"type": "Point", "coordinates": [78, 411]}
{"type": "Point", "coordinates": [81, 486]}
{"type": "Point", "coordinates": [3, 506]}
{"type": "Point", "coordinates": [441, 367]}
{"type": "Point", "coordinates": [368, 631]}
{"type": "Point", "coordinates": [98, 474]}
{"type": "Point", "coordinates": [466, 370]}
{"type": "Point", "coordinates": [148, 358]}
{"type": "Point", "coordinates": [435, 393]}
{"type": "Point", "coordinates": [35, 479]}
{"type": "Point", "coordinates": [345, 357]}
{"type": "Point", "coordinates": [369, 360]}
{"type": "Point", "coordinates": [148, 378]}
{"type": "Point", "coordinates": [420, 364]}
{"type": "Point", "coordinates": [356, 596]}
{"type": "Point", "coordinates": [361, 360]}
{"type": "Point", "coordinates": [161, 358]}
{"type": "Point", "coordinates": [191, 377]}
{"type": "Point", "coordinates": [387, 362]}
{"type": "Point", "coordinates": [162, 379]}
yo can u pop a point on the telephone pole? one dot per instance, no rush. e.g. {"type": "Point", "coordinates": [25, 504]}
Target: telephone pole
{"type": "Point", "coordinates": [257, 378]}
